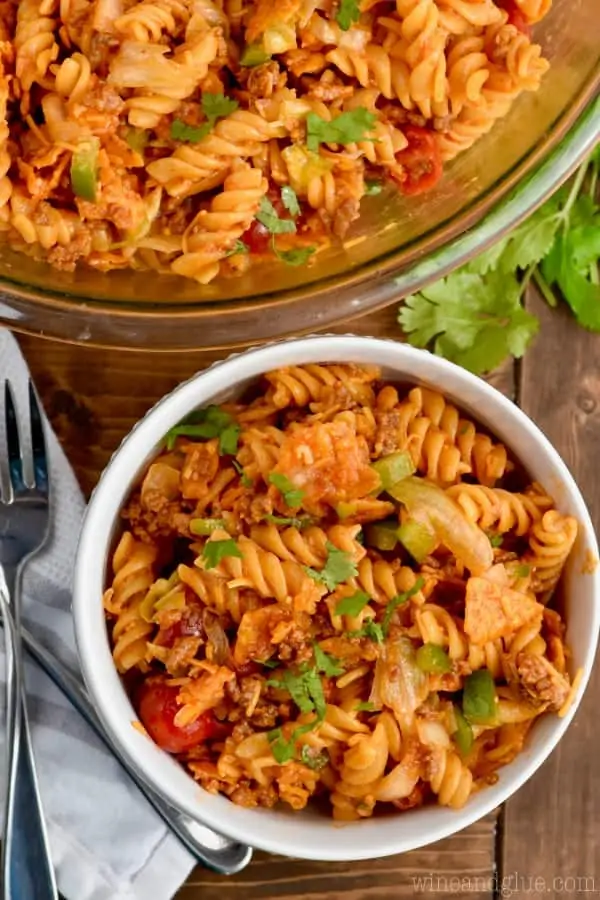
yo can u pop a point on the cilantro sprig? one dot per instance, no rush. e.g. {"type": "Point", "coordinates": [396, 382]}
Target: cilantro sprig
{"type": "Point", "coordinates": [305, 687]}
{"type": "Point", "coordinates": [292, 496]}
{"type": "Point", "coordinates": [475, 316]}
{"type": "Point", "coordinates": [347, 128]}
{"type": "Point", "coordinates": [214, 107]}
{"type": "Point", "coordinates": [215, 551]}
{"type": "Point", "coordinates": [339, 566]}
{"type": "Point", "coordinates": [353, 605]}
{"type": "Point", "coordinates": [208, 423]}
{"type": "Point", "coordinates": [378, 631]}
{"type": "Point", "coordinates": [268, 216]}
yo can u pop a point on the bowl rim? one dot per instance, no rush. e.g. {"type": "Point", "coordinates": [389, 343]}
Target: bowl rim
{"type": "Point", "coordinates": [115, 483]}
{"type": "Point", "coordinates": [369, 287]}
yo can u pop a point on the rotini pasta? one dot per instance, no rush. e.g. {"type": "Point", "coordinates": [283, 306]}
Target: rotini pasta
{"type": "Point", "coordinates": [307, 614]}
{"type": "Point", "coordinates": [193, 138]}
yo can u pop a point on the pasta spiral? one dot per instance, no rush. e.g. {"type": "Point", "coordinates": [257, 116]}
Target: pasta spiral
{"type": "Point", "coordinates": [261, 571]}
{"type": "Point", "coordinates": [496, 509]}
{"type": "Point", "coordinates": [35, 44]}
{"type": "Point", "coordinates": [214, 232]}
{"type": "Point", "coordinates": [550, 543]}
{"type": "Point", "coordinates": [204, 165]}
{"type": "Point", "coordinates": [133, 564]}
{"type": "Point", "coordinates": [450, 779]}
{"type": "Point", "coordinates": [5, 160]}
{"type": "Point", "coordinates": [308, 546]}
{"type": "Point", "coordinates": [301, 385]}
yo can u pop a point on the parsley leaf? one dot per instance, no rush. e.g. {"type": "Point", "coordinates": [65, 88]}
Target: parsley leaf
{"type": "Point", "coordinates": [325, 663]}
{"type": "Point", "coordinates": [292, 496]}
{"type": "Point", "coordinates": [347, 128]}
{"type": "Point", "coordinates": [347, 14]}
{"type": "Point", "coordinates": [267, 215]}
{"type": "Point", "coordinates": [473, 320]}
{"type": "Point", "coordinates": [496, 539]}
{"type": "Point", "coordinates": [296, 257]}
{"type": "Point", "coordinates": [298, 522]}
{"type": "Point", "coordinates": [338, 567]}
{"type": "Point", "coordinates": [351, 606]}
{"type": "Point", "coordinates": [208, 423]}
{"type": "Point", "coordinates": [397, 601]}
{"type": "Point", "coordinates": [522, 571]}
{"type": "Point", "coordinates": [364, 706]}
{"type": "Point", "coordinates": [215, 551]}
{"type": "Point", "coordinates": [290, 200]}
{"type": "Point", "coordinates": [190, 133]}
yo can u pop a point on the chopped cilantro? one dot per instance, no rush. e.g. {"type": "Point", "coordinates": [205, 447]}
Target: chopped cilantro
{"type": "Point", "coordinates": [215, 551]}
{"type": "Point", "coordinates": [338, 567]}
{"type": "Point", "coordinates": [351, 606]}
{"type": "Point", "coordinates": [325, 663]}
{"type": "Point", "coordinates": [364, 706]}
{"type": "Point", "coordinates": [347, 128]}
{"type": "Point", "coordinates": [348, 13]}
{"type": "Point", "coordinates": [292, 496]}
{"type": "Point", "coordinates": [267, 215]}
{"type": "Point", "coordinates": [496, 539]}
{"type": "Point", "coordinates": [296, 257]}
{"type": "Point", "coordinates": [208, 423]}
{"type": "Point", "coordinates": [293, 521]}
{"type": "Point", "coordinates": [214, 106]}
{"type": "Point", "coordinates": [290, 200]}
{"type": "Point", "coordinates": [522, 571]}
{"type": "Point", "coordinates": [399, 600]}
{"type": "Point", "coordinates": [238, 247]}
{"type": "Point", "coordinates": [246, 482]}
{"type": "Point", "coordinates": [190, 133]}
{"type": "Point", "coordinates": [371, 630]}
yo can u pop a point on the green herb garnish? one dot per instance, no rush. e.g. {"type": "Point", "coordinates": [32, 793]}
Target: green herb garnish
{"type": "Point", "coordinates": [208, 423]}
{"type": "Point", "coordinates": [399, 600]}
{"type": "Point", "coordinates": [352, 606]}
{"type": "Point", "coordinates": [347, 128]}
{"type": "Point", "coordinates": [292, 496]}
{"type": "Point", "coordinates": [347, 14]}
{"type": "Point", "coordinates": [215, 551]}
{"type": "Point", "coordinates": [338, 567]}
{"type": "Point", "coordinates": [268, 216]}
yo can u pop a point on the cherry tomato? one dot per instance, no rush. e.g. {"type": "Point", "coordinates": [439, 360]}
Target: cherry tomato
{"type": "Point", "coordinates": [516, 16]}
{"type": "Point", "coordinates": [157, 707]}
{"type": "Point", "coordinates": [421, 160]}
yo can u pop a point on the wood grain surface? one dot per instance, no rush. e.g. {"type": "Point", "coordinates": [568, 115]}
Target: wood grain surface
{"type": "Point", "coordinates": [550, 830]}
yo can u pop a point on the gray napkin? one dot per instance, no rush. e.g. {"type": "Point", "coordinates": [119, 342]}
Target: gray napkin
{"type": "Point", "coordinates": [107, 843]}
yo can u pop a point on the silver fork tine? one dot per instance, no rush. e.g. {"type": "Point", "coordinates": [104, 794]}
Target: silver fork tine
{"type": "Point", "coordinates": [26, 865]}
{"type": "Point", "coordinates": [38, 443]}
{"type": "Point", "coordinates": [13, 444]}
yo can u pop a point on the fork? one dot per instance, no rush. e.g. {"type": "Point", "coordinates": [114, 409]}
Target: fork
{"type": "Point", "coordinates": [27, 871]}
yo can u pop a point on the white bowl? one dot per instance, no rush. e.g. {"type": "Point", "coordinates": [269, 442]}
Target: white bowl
{"type": "Point", "coordinates": [309, 834]}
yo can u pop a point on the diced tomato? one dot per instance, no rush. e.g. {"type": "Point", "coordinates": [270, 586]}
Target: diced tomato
{"type": "Point", "coordinates": [157, 707]}
{"type": "Point", "coordinates": [516, 17]}
{"type": "Point", "coordinates": [421, 160]}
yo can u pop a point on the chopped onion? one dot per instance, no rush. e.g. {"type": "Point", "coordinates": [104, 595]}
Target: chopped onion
{"type": "Point", "coordinates": [216, 636]}
{"type": "Point", "coordinates": [464, 539]}
{"type": "Point", "coordinates": [432, 733]}
{"type": "Point", "coordinates": [160, 479]}
{"type": "Point", "coordinates": [398, 682]}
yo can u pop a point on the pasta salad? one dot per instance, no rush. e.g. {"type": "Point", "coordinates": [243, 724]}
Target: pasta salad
{"type": "Point", "coordinates": [193, 137]}
{"type": "Point", "coordinates": [339, 589]}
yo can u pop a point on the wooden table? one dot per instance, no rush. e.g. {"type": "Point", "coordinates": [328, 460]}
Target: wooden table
{"type": "Point", "coordinates": [545, 841]}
